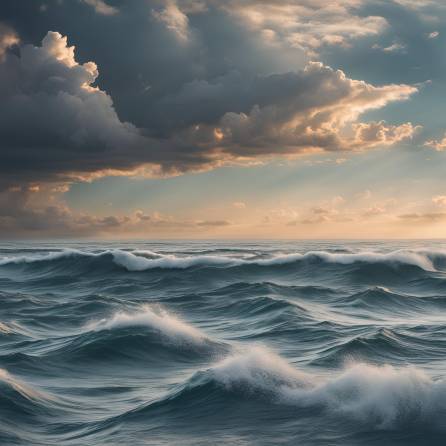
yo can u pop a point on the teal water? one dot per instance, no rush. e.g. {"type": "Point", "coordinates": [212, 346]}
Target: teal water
{"type": "Point", "coordinates": [231, 343]}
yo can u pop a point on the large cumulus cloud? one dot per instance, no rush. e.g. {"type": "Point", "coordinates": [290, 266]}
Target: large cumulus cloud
{"type": "Point", "coordinates": [56, 124]}
{"type": "Point", "coordinates": [52, 120]}
{"type": "Point", "coordinates": [316, 108]}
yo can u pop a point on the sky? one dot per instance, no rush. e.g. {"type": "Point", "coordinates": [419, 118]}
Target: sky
{"type": "Point", "coordinates": [231, 119]}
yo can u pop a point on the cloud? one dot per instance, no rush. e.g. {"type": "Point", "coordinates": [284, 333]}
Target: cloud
{"type": "Point", "coordinates": [316, 108]}
{"type": "Point", "coordinates": [32, 212]}
{"type": "Point", "coordinates": [382, 134]}
{"type": "Point", "coordinates": [101, 7]}
{"type": "Point", "coordinates": [439, 200]}
{"type": "Point", "coordinates": [191, 85]}
{"type": "Point", "coordinates": [438, 144]}
{"type": "Point", "coordinates": [158, 220]}
{"type": "Point", "coordinates": [307, 24]}
{"type": "Point", "coordinates": [421, 4]}
{"type": "Point", "coordinates": [364, 195]}
{"type": "Point", "coordinates": [374, 211]}
{"type": "Point", "coordinates": [279, 216]}
{"type": "Point", "coordinates": [8, 38]}
{"type": "Point", "coordinates": [327, 212]}
{"type": "Point", "coordinates": [53, 121]}
{"type": "Point", "coordinates": [319, 215]}
{"type": "Point", "coordinates": [56, 124]}
{"type": "Point", "coordinates": [428, 217]}
{"type": "Point", "coordinates": [174, 20]}
{"type": "Point", "coordinates": [338, 200]}
{"type": "Point", "coordinates": [239, 205]}
{"type": "Point", "coordinates": [213, 223]}
{"type": "Point", "coordinates": [393, 48]}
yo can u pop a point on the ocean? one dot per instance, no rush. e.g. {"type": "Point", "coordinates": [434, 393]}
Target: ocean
{"type": "Point", "coordinates": [223, 343]}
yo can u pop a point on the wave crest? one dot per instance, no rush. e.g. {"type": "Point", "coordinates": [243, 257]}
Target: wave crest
{"type": "Point", "coordinates": [145, 260]}
{"type": "Point", "coordinates": [384, 396]}
{"type": "Point", "coordinates": [166, 324]}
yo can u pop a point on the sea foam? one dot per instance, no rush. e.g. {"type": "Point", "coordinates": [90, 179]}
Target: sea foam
{"type": "Point", "coordinates": [384, 396]}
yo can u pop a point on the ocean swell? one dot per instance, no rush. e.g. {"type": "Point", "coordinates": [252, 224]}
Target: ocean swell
{"type": "Point", "coordinates": [116, 342]}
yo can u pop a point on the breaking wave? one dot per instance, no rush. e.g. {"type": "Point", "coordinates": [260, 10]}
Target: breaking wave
{"type": "Point", "coordinates": [382, 397]}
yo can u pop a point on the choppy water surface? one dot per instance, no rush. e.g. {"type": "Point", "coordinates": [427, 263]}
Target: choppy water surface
{"type": "Point", "coordinates": [202, 343]}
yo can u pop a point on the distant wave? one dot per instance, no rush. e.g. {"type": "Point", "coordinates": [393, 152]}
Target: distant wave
{"type": "Point", "coordinates": [140, 260]}
{"type": "Point", "coordinates": [132, 262]}
{"type": "Point", "coordinates": [47, 257]}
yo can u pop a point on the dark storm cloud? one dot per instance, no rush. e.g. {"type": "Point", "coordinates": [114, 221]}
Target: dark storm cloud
{"type": "Point", "coordinates": [51, 119]}
{"type": "Point", "coordinates": [182, 86]}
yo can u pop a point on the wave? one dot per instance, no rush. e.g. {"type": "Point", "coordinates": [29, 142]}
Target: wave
{"type": "Point", "coordinates": [20, 386]}
{"type": "Point", "coordinates": [6, 329]}
{"type": "Point", "coordinates": [422, 259]}
{"type": "Point", "coordinates": [12, 331]}
{"type": "Point", "coordinates": [111, 356]}
{"type": "Point", "coordinates": [268, 288]}
{"type": "Point", "coordinates": [20, 398]}
{"type": "Point", "coordinates": [47, 257]}
{"type": "Point", "coordinates": [382, 397]}
{"type": "Point", "coordinates": [145, 333]}
{"type": "Point", "coordinates": [163, 322]}
{"type": "Point", "coordinates": [382, 299]}
{"type": "Point", "coordinates": [140, 260]}
{"type": "Point", "coordinates": [383, 344]}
